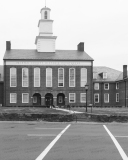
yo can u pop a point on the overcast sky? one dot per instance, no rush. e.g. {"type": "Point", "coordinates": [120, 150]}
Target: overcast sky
{"type": "Point", "coordinates": [101, 24]}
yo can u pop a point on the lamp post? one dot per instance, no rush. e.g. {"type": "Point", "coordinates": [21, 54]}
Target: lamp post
{"type": "Point", "coordinates": [86, 89]}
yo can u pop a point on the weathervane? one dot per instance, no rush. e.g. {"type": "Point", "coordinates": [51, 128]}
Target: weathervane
{"type": "Point", "coordinates": [45, 3]}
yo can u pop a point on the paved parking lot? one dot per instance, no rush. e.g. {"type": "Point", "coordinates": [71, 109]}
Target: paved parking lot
{"type": "Point", "coordinates": [63, 141]}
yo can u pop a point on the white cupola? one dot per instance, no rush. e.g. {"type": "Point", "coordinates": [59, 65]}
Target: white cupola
{"type": "Point", "coordinates": [45, 41]}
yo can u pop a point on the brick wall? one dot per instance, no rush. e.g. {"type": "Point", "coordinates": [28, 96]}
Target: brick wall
{"type": "Point", "coordinates": [43, 90]}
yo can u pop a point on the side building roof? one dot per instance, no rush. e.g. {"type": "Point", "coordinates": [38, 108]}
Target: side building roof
{"type": "Point", "coordinates": [32, 54]}
{"type": "Point", "coordinates": [1, 73]}
{"type": "Point", "coordinates": [112, 74]}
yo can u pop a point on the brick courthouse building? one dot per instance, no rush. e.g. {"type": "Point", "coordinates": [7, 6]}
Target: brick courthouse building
{"type": "Point", "coordinates": [46, 76]}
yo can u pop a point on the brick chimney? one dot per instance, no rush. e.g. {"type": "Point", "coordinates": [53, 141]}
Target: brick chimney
{"type": "Point", "coordinates": [8, 45]}
{"type": "Point", "coordinates": [80, 46]}
{"type": "Point", "coordinates": [124, 71]}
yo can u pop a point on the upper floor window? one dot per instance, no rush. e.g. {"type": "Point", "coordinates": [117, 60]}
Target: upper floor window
{"type": "Point", "coordinates": [83, 77]}
{"type": "Point", "coordinates": [25, 77]}
{"type": "Point", "coordinates": [45, 15]}
{"type": "Point", "coordinates": [96, 98]}
{"type": "Point", "coordinates": [36, 77]}
{"type": "Point", "coordinates": [96, 86]}
{"type": "Point", "coordinates": [104, 75]}
{"type": "Point", "coordinates": [60, 77]}
{"type": "Point", "coordinates": [83, 97]}
{"type": "Point", "coordinates": [72, 97]}
{"type": "Point", "coordinates": [106, 98]}
{"type": "Point", "coordinates": [106, 86]}
{"type": "Point", "coordinates": [71, 77]}
{"type": "Point", "coordinates": [117, 85]}
{"type": "Point", "coordinates": [13, 98]}
{"type": "Point", "coordinates": [49, 77]}
{"type": "Point", "coordinates": [13, 77]}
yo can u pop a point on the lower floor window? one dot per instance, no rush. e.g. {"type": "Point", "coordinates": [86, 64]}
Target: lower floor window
{"type": "Point", "coordinates": [13, 98]}
{"type": "Point", "coordinates": [96, 98]}
{"type": "Point", "coordinates": [83, 97]}
{"type": "Point", "coordinates": [72, 97]}
{"type": "Point", "coordinates": [117, 97]}
{"type": "Point", "coordinates": [25, 98]}
{"type": "Point", "coordinates": [106, 98]}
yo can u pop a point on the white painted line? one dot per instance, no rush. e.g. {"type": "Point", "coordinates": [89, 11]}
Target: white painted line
{"type": "Point", "coordinates": [47, 149]}
{"type": "Point", "coordinates": [122, 136]}
{"type": "Point", "coordinates": [49, 128]}
{"type": "Point", "coordinates": [40, 135]}
{"type": "Point", "coordinates": [122, 153]}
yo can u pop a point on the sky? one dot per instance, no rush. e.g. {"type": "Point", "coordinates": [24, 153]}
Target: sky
{"type": "Point", "coordinates": [101, 24]}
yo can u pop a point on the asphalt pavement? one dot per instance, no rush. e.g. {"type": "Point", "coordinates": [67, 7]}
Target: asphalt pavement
{"type": "Point", "coordinates": [63, 141]}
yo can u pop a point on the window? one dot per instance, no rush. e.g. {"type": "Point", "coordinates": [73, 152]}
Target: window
{"type": "Point", "coordinates": [25, 98]}
{"type": "Point", "coordinates": [117, 85]}
{"type": "Point", "coordinates": [24, 77]}
{"type": "Point", "coordinates": [36, 77]}
{"type": "Point", "coordinates": [71, 77]}
{"type": "Point", "coordinates": [72, 98]}
{"type": "Point", "coordinates": [117, 97]}
{"type": "Point", "coordinates": [13, 77]}
{"type": "Point", "coordinates": [83, 77]}
{"type": "Point", "coordinates": [96, 98]}
{"type": "Point", "coordinates": [45, 15]}
{"type": "Point", "coordinates": [13, 98]}
{"type": "Point", "coordinates": [104, 75]}
{"type": "Point", "coordinates": [106, 86]}
{"type": "Point", "coordinates": [106, 98]}
{"type": "Point", "coordinates": [83, 97]}
{"type": "Point", "coordinates": [96, 86]}
{"type": "Point", "coordinates": [60, 77]}
{"type": "Point", "coordinates": [49, 77]}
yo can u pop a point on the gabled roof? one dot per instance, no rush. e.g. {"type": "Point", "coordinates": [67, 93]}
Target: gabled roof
{"type": "Point", "coordinates": [120, 77]}
{"type": "Point", "coordinates": [112, 74]}
{"type": "Point", "coordinates": [32, 54]}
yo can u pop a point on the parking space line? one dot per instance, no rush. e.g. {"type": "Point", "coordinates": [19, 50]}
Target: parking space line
{"type": "Point", "coordinates": [121, 136]}
{"type": "Point", "coordinates": [47, 149]}
{"type": "Point", "coordinates": [49, 128]}
{"type": "Point", "coordinates": [122, 153]}
{"type": "Point", "coordinates": [40, 135]}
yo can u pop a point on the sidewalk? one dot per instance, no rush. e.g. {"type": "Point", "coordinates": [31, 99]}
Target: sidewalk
{"type": "Point", "coordinates": [67, 110]}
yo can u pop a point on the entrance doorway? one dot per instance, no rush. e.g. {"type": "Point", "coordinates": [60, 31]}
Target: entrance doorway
{"type": "Point", "coordinates": [48, 99]}
{"type": "Point", "coordinates": [37, 99]}
{"type": "Point", "coordinates": [60, 99]}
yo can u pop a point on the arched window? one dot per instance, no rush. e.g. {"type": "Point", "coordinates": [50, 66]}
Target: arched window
{"type": "Point", "coordinates": [25, 77]}
{"type": "Point", "coordinates": [13, 77]}
{"type": "Point", "coordinates": [45, 15]}
{"type": "Point", "coordinates": [36, 77]}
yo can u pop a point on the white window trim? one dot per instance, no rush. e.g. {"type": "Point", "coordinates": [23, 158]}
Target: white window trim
{"type": "Point", "coordinates": [74, 77]}
{"type": "Point", "coordinates": [96, 94]}
{"type": "Point", "coordinates": [117, 94]}
{"type": "Point", "coordinates": [74, 98]}
{"type": "Point", "coordinates": [94, 86]}
{"type": "Point", "coordinates": [81, 97]}
{"type": "Point", "coordinates": [34, 77]}
{"type": "Point", "coordinates": [10, 77]}
{"type": "Point", "coordinates": [11, 99]}
{"type": "Point", "coordinates": [27, 79]}
{"type": "Point", "coordinates": [58, 77]}
{"type": "Point", "coordinates": [46, 77]}
{"type": "Point", "coordinates": [27, 97]}
{"type": "Point", "coordinates": [118, 85]}
{"type": "Point", "coordinates": [104, 98]}
{"type": "Point", "coordinates": [104, 86]}
{"type": "Point", "coordinates": [81, 77]}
